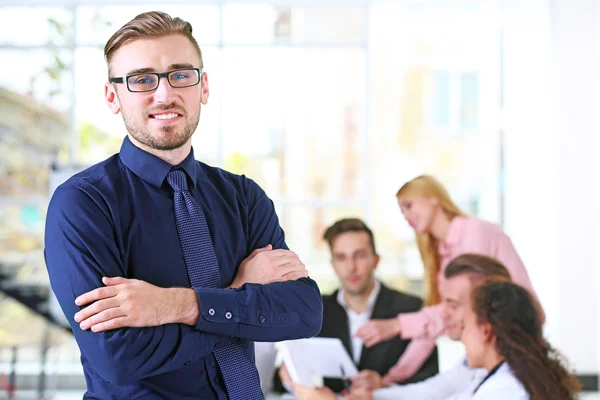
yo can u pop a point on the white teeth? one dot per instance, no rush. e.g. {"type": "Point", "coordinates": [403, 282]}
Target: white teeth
{"type": "Point", "coordinates": [165, 116]}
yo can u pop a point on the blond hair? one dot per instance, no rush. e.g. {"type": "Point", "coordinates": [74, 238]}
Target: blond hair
{"type": "Point", "coordinates": [149, 25]}
{"type": "Point", "coordinates": [428, 186]}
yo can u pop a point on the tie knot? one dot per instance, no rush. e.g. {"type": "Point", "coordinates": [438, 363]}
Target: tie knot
{"type": "Point", "coordinates": [177, 179]}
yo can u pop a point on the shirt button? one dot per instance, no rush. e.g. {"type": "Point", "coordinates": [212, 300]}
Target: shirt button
{"type": "Point", "coordinates": [262, 319]}
{"type": "Point", "coordinates": [214, 364]}
{"type": "Point", "coordinates": [211, 311]}
{"type": "Point", "coordinates": [228, 315]}
{"type": "Point", "coordinates": [216, 381]}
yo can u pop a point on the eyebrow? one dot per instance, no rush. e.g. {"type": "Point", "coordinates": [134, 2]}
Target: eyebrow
{"type": "Point", "coordinates": [170, 68]}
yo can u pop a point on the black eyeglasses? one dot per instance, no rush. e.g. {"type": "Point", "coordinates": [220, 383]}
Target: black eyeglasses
{"type": "Point", "coordinates": [147, 82]}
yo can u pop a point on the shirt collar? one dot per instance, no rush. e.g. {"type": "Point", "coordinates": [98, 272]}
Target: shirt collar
{"type": "Point", "coordinates": [370, 301]}
{"type": "Point", "coordinates": [452, 237]}
{"type": "Point", "coordinates": [151, 168]}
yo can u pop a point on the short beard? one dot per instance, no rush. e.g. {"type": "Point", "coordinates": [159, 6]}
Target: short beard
{"type": "Point", "coordinates": [169, 143]}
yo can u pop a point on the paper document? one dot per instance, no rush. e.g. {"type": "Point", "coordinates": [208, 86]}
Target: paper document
{"type": "Point", "coordinates": [310, 360]}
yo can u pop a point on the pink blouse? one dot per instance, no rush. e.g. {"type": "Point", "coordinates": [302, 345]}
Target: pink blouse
{"type": "Point", "coordinates": [465, 235]}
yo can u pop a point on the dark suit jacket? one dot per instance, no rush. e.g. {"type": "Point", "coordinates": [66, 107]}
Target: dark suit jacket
{"type": "Point", "coordinates": [383, 356]}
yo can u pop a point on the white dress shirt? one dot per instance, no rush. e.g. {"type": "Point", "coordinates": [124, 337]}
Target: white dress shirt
{"type": "Point", "coordinates": [356, 320]}
{"type": "Point", "coordinates": [454, 384]}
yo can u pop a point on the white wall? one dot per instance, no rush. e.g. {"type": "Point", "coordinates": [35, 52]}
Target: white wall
{"type": "Point", "coordinates": [576, 68]}
{"type": "Point", "coordinates": [551, 176]}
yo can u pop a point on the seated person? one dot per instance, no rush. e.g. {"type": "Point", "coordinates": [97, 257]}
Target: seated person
{"type": "Point", "coordinates": [503, 334]}
{"type": "Point", "coordinates": [463, 274]}
{"type": "Point", "coordinates": [360, 298]}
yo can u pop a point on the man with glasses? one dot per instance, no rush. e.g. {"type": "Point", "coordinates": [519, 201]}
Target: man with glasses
{"type": "Point", "coordinates": [167, 268]}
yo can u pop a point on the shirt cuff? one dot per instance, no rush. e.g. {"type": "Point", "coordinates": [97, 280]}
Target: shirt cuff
{"type": "Point", "coordinates": [219, 311]}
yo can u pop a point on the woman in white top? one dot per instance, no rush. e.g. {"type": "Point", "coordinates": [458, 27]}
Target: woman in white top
{"type": "Point", "coordinates": [503, 334]}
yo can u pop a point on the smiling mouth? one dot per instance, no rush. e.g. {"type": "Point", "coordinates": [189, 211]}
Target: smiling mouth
{"type": "Point", "coordinates": [163, 117]}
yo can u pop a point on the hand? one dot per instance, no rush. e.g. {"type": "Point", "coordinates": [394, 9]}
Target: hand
{"type": "Point", "coordinates": [265, 265]}
{"type": "Point", "coordinates": [359, 394]}
{"type": "Point", "coordinates": [307, 393]}
{"type": "Point", "coordinates": [378, 330]}
{"type": "Point", "coordinates": [367, 379]}
{"type": "Point", "coordinates": [285, 377]}
{"type": "Point", "coordinates": [133, 303]}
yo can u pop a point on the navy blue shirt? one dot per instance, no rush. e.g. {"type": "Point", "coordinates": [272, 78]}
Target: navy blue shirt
{"type": "Point", "coordinates": [116, 219]}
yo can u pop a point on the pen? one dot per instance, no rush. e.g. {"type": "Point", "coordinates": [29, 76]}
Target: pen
{"type": "Point", "coordinates": [345, 380]}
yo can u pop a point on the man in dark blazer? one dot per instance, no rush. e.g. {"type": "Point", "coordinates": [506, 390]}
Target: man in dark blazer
{"type": "Point", "coordinates": [361, 298]}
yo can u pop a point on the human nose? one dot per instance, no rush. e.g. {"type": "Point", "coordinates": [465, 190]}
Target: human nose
{"type": "Point", "coordinates": [164, 92]}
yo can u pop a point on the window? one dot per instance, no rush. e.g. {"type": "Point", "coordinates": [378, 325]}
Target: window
{"type": "Point", "coordinates": [329, 107]}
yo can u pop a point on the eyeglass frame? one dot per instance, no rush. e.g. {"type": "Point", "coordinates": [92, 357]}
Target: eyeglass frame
{"type": "Point", "coordinates": [125, 79]}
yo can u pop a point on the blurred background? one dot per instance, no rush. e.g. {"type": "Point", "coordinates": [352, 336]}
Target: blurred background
{"type": "Point", "coordinates": [330, 106]}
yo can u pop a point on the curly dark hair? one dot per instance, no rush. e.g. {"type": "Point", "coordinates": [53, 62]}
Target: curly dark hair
{"type": "Point", "coordinates": [511, 312]}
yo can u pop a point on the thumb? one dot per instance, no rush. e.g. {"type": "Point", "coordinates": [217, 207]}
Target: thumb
{"type": "Point", "coordinates": [113, 281]}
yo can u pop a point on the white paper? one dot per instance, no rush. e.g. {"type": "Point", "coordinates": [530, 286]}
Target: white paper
{"type": "Point", "coordinates": [311, 360]}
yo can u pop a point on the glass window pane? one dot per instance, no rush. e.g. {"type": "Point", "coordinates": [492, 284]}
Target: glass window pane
{"type": "Point", "coordinates": [441, 99]}
{"type": "Point", "coordinates": [95, 25]}
{"type": "Point", "coordinates": [35, 26]}
{"type": "Point", "coordinates": [44, 75]}
{"type": "Point", "coordinates": [298, 132]}
{"type": "Point", "coordinates": [265, 23]}
{"type": "Point", "coordinates": [34, 133]}
{"type": "Point", "coordinates": [469, 99]}
{"type": "Point", "coordinates": [426, 85]}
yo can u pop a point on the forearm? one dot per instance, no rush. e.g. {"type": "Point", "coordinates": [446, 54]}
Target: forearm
{"type": "Point", "coordinates": [273, 312]}
{"type": "Point", "coordinates": [425, 324]}
{"type": "Point", "coordinates": [185, 308]}
{"type": "Point", "coordinates": [411, 360]}
{"type": "Point", "coordinates": [127, 355]}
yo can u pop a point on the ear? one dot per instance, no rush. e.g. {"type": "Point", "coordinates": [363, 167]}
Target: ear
{"type": "Point", "coordinates": [487, 332]}
{"type": "Point", "coordinates": [377, 258]}
{"type": "Point", "coordinates": [111, 98]}
{"type": "Point", "coordinates": [204, 88]}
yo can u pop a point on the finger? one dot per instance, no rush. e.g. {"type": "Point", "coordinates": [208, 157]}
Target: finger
{"type": "Point", "coordinates": [282, 253]}
{"type": "Point", "coordinates": [301, 273]}
{"type": "Point", "coordinates": [292, 276]}
{"type": "Point", "coordinates": [117, 280]}
{"type": "Point", "coordinates": [289, 268]}
{"type": "Point", "coordinates": [360, 377]}
{"type": "Point", "coordinates": [261, 249]}
{"type": "Point", "coordinates": [372, 341]}
{"type": "Point", "coordinates": [367, 336]}
{"type": "Point", "coordinates": [114, 323]}
{"type": "Point", "coordinates": [101, 317]}
{"type": "Point", "coordinates": [95, 295]}
{"type": "Point", "coordinates": [95, 308]}
{"type": "Point", "coordinates": [287, 261]}
{"type": "Point", "coordinates": [363, 331]}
